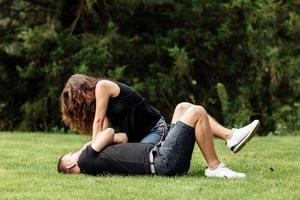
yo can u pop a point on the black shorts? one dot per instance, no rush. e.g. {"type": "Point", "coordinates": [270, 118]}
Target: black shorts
{"type": "Point", "coordinates": [173, 156]}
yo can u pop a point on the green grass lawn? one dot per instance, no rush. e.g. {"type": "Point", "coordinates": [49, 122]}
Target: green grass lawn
{"type": "Point", "coordinates": [28, 171]}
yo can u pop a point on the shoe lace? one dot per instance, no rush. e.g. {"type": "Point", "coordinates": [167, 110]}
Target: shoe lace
{"type": "Point", "coordinates": [222, 165]}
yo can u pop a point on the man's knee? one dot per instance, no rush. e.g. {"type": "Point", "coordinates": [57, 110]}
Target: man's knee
{"type": "Point", "coordinates": [198, 111]}
{"type": "Point", "coordinates": [182, 107]}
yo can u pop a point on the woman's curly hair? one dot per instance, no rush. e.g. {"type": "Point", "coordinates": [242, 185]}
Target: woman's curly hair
{"type": "Point", "coordinates": [78, 103]}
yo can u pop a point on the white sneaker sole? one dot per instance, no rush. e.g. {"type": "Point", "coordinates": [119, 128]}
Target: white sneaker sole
{"type": "Point", "coordinates": [240, 145]}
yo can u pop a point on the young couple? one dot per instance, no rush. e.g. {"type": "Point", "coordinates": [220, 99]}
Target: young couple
{"type": "Point", "coordinates": [139, 142]}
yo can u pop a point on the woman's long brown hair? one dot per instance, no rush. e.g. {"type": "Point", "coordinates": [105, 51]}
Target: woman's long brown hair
{"type": "Point", "coordinates": [78, 103]}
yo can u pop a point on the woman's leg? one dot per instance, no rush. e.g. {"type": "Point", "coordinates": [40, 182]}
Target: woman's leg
{"type": "Point", "coordinates": [157, 133]}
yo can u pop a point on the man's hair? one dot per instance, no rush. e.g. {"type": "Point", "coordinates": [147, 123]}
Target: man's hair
{"type": "Point", "coordinates": [61, 168]}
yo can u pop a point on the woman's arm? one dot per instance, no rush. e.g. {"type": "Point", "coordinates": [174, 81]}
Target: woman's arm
{"type": "Point", "coordinates": [105, 123]}
{"type": "Point", "coordinates": [104, 90]}
{"type": "Point", "coordinates": [103, 139]}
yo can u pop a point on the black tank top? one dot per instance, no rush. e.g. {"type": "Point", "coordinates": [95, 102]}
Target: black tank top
{"type": "Point", "coordinates": [131, 113]}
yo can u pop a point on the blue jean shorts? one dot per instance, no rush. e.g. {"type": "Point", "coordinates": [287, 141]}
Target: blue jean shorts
{"type": "Point", "coordinates": [157, 133]}
{"type": "Point", "coordinates": [173, 156]}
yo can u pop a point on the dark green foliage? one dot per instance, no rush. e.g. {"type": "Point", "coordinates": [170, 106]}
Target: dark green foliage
{"type": "Point", "coordinates": [239, 59]}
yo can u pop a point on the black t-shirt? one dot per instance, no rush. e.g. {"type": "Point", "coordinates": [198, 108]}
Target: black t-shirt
{"type": "Point", "coordinates": [129, 112]}
{"type": "Point", "coordinates": [123, 159]}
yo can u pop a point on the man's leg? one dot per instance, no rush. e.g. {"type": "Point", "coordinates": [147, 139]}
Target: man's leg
{"type": "Point", "coordinates": [217, 129]}
{"type": "Point", "coordinates": [173, 156]}
{"type": "Point", "coordinates": [196, 117]}
{"type": "Point", "coordinates": [235, 138]}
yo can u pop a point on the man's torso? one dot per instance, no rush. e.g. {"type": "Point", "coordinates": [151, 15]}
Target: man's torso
{"type": "Point", "coordinates": [124, 159]}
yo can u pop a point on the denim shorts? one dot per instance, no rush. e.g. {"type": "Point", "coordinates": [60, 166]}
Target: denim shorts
{"type": "Point", "coordinates": [157, 133]}
{"type": "Point", "coordinates": [173, 156]}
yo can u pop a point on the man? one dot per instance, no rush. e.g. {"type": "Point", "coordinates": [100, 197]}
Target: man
{"type": "Point", "coordinates": [171, 157]}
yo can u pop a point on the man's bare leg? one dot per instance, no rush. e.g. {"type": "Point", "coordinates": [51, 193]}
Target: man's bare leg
{"type": "Point", "coordinates": [217, 129]}
{"type": "Point", "coordinates": [196, 116]}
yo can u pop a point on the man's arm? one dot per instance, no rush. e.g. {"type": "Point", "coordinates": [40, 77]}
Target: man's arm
{"type": "Point", "coordinates": [120, 138]}
{"type": "Point", "coordinates": [86, 145]}
{"type": "Point", "coordinates": [103, 139]}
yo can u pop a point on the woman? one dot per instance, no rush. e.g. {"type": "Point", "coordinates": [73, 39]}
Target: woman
{"type": "Point", "coordinates": [90, 105]}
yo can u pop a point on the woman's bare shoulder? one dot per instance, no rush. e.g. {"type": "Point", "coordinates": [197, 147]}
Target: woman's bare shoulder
{"type": "Point", "coordinates": [108, 86]}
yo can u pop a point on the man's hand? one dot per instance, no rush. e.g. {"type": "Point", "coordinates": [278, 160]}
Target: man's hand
{"type": "Point", "coordinates": [87, 144]}
{"type": "Point", "coordinates": [120, 138]}
{"type": "Point", "coordinates": [103, 139]}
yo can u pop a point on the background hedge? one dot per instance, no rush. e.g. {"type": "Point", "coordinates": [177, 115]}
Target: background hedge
{"type": "Point", "coordinates": [240, 59]}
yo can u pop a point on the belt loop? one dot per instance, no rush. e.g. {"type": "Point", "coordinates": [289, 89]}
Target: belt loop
{"type": "Point", "coordinates": [151, 159]}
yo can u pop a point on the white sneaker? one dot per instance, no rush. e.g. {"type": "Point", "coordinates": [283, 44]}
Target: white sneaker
{"type": "Point", "coordinates": [241, 136]}
{"type": "Point", "coordinates": [223, 172]}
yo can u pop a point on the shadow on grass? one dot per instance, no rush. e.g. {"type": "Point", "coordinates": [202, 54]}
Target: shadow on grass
{"type": "Point", "coordinates": [196, 173]}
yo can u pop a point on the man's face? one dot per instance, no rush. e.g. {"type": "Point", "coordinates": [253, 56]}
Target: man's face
{"type": "Point", "coordinates": [69, 163]}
